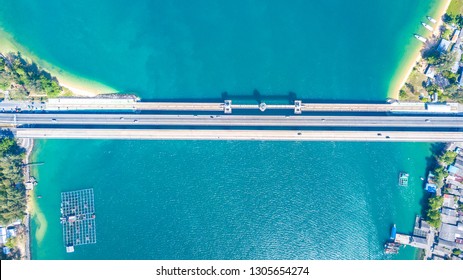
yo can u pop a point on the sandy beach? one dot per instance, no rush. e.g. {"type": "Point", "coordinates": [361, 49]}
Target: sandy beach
{"type": "Point", "coordinates": [408, 65]}
{"type": "Point", "coordinates": [24, 239]}
{"type": "Point", "coordinates": [78, 85]}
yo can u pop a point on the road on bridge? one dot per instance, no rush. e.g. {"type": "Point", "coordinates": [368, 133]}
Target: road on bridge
{"type": "Point", "coordinates": [233, 120]}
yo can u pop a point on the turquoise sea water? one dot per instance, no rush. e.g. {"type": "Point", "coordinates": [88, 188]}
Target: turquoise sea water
{"type": "Point", "coordinates": [227, 200]}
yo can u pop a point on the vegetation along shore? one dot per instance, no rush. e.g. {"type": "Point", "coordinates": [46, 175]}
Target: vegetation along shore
{"type": "Point", "coordinates": [20, 79]}
{"type": "Point", "coordinates": [14, 223]}
{"type": "Point", "coordinates": [437, 74]}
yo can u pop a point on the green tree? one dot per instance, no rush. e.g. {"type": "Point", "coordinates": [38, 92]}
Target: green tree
{"type": "Point", "coordinates": [402, 94]}
{"type": "Point", "coordinates": [26, 78]}
{"type": "Point", "coordinates": [435, 223]}
{"type": "Point", "coordinates": [432, 57]}
{"type": "Point", "coordinates": [446, 61]}
{"type": "Point", "coordinates": [448, 157]}
{"type": "Point", "coordinates": [11, 242]}
{"type": "Point", "coordinates": [440, 174]}
{"type": "Point", "coordinates": [6, 145]}
{"type": "Point", "coordinates": [446, 34]}
{"type": "Point", "coordinates": [433, 213]}
{"type": "Point", "coordinates": [12, 192]}
{"type": "Point", "coordinates": [435, 203]}
{"type": "Point", "coordinates": [452, 77]}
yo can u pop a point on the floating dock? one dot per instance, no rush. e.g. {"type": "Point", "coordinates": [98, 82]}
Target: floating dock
{"type": "Point", "coordinates": [403, 179]}
{"type": "Point", "coordinates": [78, 218]}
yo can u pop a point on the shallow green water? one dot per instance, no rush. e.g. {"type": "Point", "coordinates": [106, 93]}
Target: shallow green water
{"type": "Point", "coordinates": [228, 200]}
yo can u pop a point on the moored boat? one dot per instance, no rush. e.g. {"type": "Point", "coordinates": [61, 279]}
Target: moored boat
{"type": "Point", "coordinates": [428, 27]}
{"type": "Point", "coordinates": [431, 19]}
{"type": "Point", "coordinates": [422, 39]}
{"type": "Point", "coordinates": [393, 233]}
{"type": "Point", "coordinates": [392, 247]}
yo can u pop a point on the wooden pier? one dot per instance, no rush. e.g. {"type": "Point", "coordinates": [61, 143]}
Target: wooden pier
{"type": "Point", "coordinates": [402, 239]}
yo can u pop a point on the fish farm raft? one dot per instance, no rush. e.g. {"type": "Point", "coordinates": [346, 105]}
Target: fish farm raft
{"type": "Point", "coordinates": [78, 218]}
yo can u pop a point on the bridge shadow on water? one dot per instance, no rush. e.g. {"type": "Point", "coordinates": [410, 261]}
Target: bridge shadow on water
{"type": "Point", "coordinates": [256, 97]}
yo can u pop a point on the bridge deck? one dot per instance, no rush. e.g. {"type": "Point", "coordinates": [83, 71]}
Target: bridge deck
{"type": "Point", "coordinates": [232, 120]}
{"type": "Point", "coordinates": [215, 134]}
{"type": "Point", "coordinates": [129, 104]}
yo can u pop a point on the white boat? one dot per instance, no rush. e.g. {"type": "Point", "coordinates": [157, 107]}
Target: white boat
{"type": "Point", "coordinates": [431, 19]}
{"type": "Point", "coordinates": [422, 39]}
{"type": "Point", "coordinates": [428, 27]}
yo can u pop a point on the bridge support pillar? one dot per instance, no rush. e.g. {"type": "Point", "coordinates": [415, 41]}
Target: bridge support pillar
{"type": "Point", "coordinates": [297, 107]}
{"type": "Point", "coordinates": [227, 109]}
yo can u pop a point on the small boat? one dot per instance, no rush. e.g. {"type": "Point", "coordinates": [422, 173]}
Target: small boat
{"type": "Point", "coordinates": [403, 179]}
{"type": "Point", "coordinates": [428, 27]}
{"type": "Point", "coordinates": [393, 233]}
{"type": "Point", "coordinates": [431, 19]}
{"type": "Point", "coordinates": [39, 196]}
{"type": "Point", "coordinates": [422, 39]}
{"type": "Point", "coordinates": [392, 247]}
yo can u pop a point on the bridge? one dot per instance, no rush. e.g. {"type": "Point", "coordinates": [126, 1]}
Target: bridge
{"type": "Point", "coordinates": [89, 118]}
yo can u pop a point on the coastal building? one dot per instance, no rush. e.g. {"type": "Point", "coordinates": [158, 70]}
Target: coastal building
{"type": "Point", "coordinates": [431, 188]}
{"type": "Point", "coordinates": [430, 72]}
{"type": "Point", "coordinates": [449, 201]}
{"type": "Point", "coordinates": [458, 162]}
{"type": "Point", "coordinates": [453, 170]}
{"type": "Point", "coordinates": [456, 65]}
{"type": "Point", "coordinates": [449, 216]}
{"type": "Point", "coordinates": [29, 185]}
{"type": "Point", "coordinates": [2, 235]}
{"type": "Point", "coordinates": [6, 250]}
{"type": "Point", "coordinates": [419, 242]}
{"type": "Point", "coordinates": [458, 52]}
{"type": "Point", "coordinates": [451, 232]}
{"type": "Point", "coordinates": [449, 212]}
{"type": "Point", "coordinates": [454, 184]}
{"type": "Point", "coordinates": [437, 258]}
{"type": "Point", "coordinates": [441, 81]}
{"type": "Point", "coordinates": [457, 192]}
{"type": "Point", "coordinates": [443, 46]}
{"type": "Point", "coordinates": [443, 249]}
{"type": "Point", "coordinates": [11, 232]}
{"type": "Point", "coordinates": [422, 228]}
{"type": "Point", "coordinates": [455, 36]}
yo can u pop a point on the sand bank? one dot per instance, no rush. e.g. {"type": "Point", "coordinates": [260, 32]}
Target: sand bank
{"type": "Point", "coordinates": [78, 85]}
{"type": "Point", "coordinates": [406, 68]}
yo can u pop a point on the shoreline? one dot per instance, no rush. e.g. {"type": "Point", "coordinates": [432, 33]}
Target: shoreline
{"type": "Point", "coordinates": [28, 145]}
{"type": "Point", "coordinates": [79, 86]}
{"type": "Point", "coordinates": [405, 70]}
